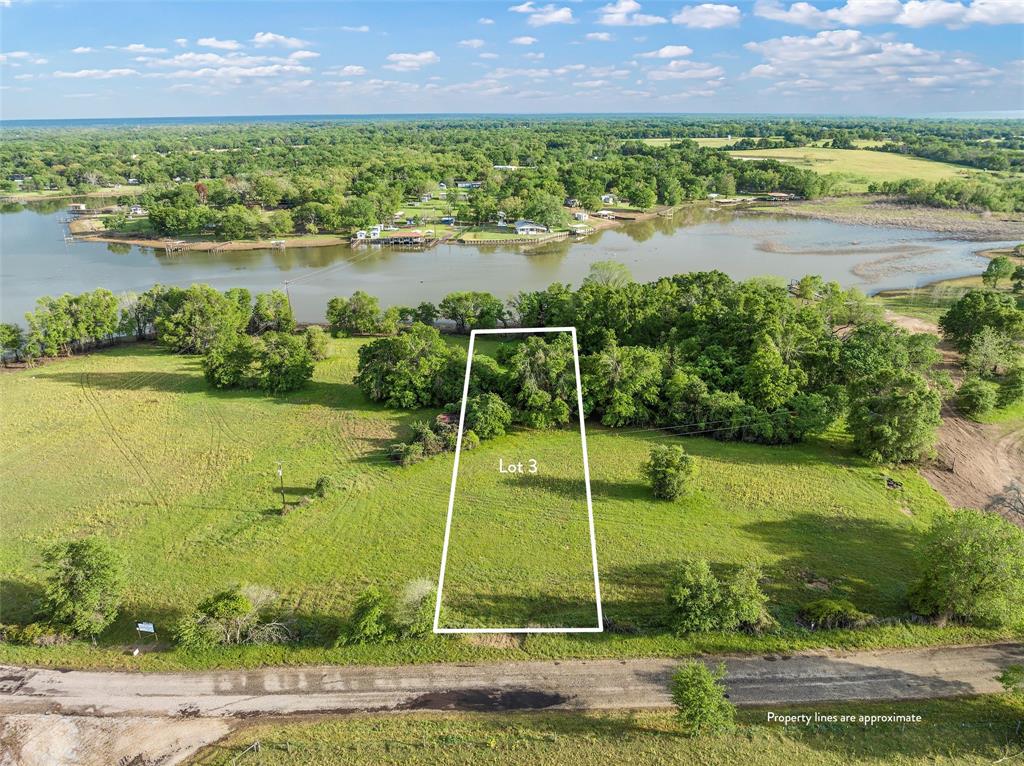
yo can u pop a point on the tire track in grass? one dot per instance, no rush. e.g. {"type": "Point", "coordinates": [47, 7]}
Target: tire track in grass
{"type": "Point", "coordinates": [119, 442]}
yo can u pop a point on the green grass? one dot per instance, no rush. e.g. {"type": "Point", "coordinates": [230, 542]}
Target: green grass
{"type": "Point", "coordinates": [859, 167]}
{"type": "Point", "coordinates": [131, 444]}
{"type": "Point", "coordinates": [981, 730]}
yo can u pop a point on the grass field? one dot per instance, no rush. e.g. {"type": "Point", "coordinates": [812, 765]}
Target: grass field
{"type": "Point", "coordinates": [130, 443]}
{"type": "Point", "coordinates": [859, 167]}
{"type": "Point", "coordinates": [982, 730]}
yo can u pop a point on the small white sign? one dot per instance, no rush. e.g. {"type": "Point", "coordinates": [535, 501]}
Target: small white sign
{"type": "Point", "coordinates": [145, 627]}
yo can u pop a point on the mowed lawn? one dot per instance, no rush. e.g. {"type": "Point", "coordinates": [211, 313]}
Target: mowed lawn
{"type": "Point", "coordinates": [131, 444]}
{"type": "Point", "coordinates": [858, 167]}
{"type": "Point", "coordinates": [983, 730]}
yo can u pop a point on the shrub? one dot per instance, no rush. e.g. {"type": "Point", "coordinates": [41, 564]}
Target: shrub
{"type": "Point", "coordinates": [230, 617]}
{"type": "Point", "coordinates": [695, 598]}
{"type": "Point", "coordinates": [324, 486]}
{"type": "Point", "coordinates": [316, 342]}
{"type": "Point", "coordinates": [84, 585]}
{"type": "Point", "coordinates": [33, 634]}
{"type": "Point", "coordinates": [488, 415]}
{"type": "Point", "coordinates": [829, 613]}
{"type": "Point", "coordinates": [1011, 389]}
{"type": "Point", "coordinates": [702, 706]}
{"type": "Point", "coordinates": [415, 617]}
{"type": "Point", "coordinates": [972, 567]}
{"type": "Point", "coordinates": [407, 454]}
{"type": "Point", "coordinates": [745, 604]}
{"type": "Point", "coordinates": [976, 396]}
{"type": "Point", "coordinates": [470, 440]}
{"type": "Point", "coordinates": [670, 470]}
{"type": "Point", "coordinates": [369, 623]}
{"type": "Point", "coordinates": [1012, 679]}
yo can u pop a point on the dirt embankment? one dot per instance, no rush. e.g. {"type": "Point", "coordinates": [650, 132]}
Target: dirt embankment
{"type": "Point", "coordinates": [975, 462]}
{"type": "Point", "coordinates": [878, 211]}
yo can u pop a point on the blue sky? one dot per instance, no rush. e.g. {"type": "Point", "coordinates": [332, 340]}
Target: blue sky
{"type": "Point", "coordinates": [154, 59]}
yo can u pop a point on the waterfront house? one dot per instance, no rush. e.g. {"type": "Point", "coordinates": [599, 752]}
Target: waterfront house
{"type": "Point", "coordinates": [525, 228]}
{"type": "Point", "coordinates": [608, 199]}
{"type": "Point", "coordinates": [579, 215]}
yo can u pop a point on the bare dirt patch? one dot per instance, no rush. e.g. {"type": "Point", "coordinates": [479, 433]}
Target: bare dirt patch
{"type": "Point", "coordinates": [58, 740]}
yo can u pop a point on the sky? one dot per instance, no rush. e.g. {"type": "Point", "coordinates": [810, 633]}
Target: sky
{"type": "Point", "coordinates": [178, 58]}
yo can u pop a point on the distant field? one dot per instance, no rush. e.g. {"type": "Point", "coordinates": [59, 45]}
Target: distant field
{"type": "Point", "coordinates": [130, 443]}
{"type": "Point", "coordinates": [967, 732]}
{"type": "Point", "coordinates": [859, 167]}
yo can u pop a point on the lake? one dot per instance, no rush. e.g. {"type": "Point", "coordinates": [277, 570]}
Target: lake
{"type": "Point", "coordinates": [35, 260]}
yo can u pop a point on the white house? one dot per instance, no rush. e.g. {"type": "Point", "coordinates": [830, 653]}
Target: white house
{"type": "Point", "coordinates": [524, 228]}
{"type": "Point", "coordinates": [137, 210]}
{"type": "Point", "coordinates": [361, 234]}
{"type": "Point", "coordinates": [469, 184]}
{"type": "Point", "coordinates": [604, 214]}
{"type": "Point", "coordinates": [579, 215]}
{"type": "Point", "coordinates": [608, 199]}
{"type": "Point", "coordinates": [426, 197]}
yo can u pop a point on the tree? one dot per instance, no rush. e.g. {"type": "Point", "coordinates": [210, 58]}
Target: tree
{"type": "Point", "coordinates": [239, 222]}
{"type": "Point", "coordinates": [622, 384]}
{"type": "Point", "coordinates": [546, 209]}
{"type": "Point", "coordinates": [83, 585]}
{"type": "Point", "coordinates": [702, 706]}
{"type": "Point", "coordinates": [893, 418]}
{"type": "Point", "coordinates": [408, 370]}
{"type": "Point", "coordinates": [488, 415]}
{"type": "Point", "coordinates": [541, 381]}
{"type": "Point", "coordinates": [278, 223]}
{"type": "Point", "coordinates": [767, 381]}
{"type": "Point", "coordinates": [998, 269]}
{"type": "Point", "coordinates": [670, 471]}
{"type": "Point", "coordinates": [609, 274]}
{"type": "Point", "coordinates": [972, 566]}
{"type": "Point", "coordinates": [285, 363]}
{"type": "Point", "coordinates": [231, 362]}
{"type": "Point", "coordinates": [977, 396]}
{"type": "Point", "coordinates": [991, 352]}
{"type": "Point", "coordinates": [472, 310]}
{"type": "Point", "coordinates": [272, 311]}
{"type": "Point", "coordinates": [203, 318]}
{"type": "Point", "coordinates": [979, 309]}
{"type": "Point", "coordinates": [358, 315]}
{"type": "Point", "coordinates": [1018, 279]}
{"type": "Point", "coordinates": [231, 617]}
{"type": "Point", "coordinates": [11, 341]}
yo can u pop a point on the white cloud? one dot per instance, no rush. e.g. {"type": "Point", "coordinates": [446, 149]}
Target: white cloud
{"type": "Point", "coordinates": [360, 28]}
{"type": "Point", "coordinates": [303, 55]}
{"type": "Point", "coordinates": [223, 45]}
{"type": "Point", "coordinates": [523, 40]}
{"type": "Point", "coordinates": [94, 74]}
{"type": "Point", "coordinates": [263, 39]}
{"type": "Point", "coordinates": [682, 69]}
{"type": "Point", "coordinates": [599, 37]}
{"type": "Point", "coordinates": [849, 60]}
{"type": "Point", "coordinates": [625, 13]}
{"type": "Point", "coordinates": [592, 83]}
{"type": "Point", "coordinates": [181, 42]}
{"type": "Point", "coordinates": [349, 70]}
{"type": "Point", "coordinates": [524, 8]}
{"type": "Point", "coordinates": [472, 43]}
{"type": "Point", "coordinates": [550, 14]}
{"type": "Point", "coordinates": [21, 56]}
{"type": "Point", "coordinates": [668, 52]}
{"type": "Point", "coordinates": [485, 21]}
{"type": "Point", "coordinates": [410, 62]}
{"type": "Point", "coordinates": [533, 56]}
{"type": "Point", "coordinates": [708, 16]}
{"type": "Point", "coordinates": [911, 13]}
{"type": "Point", "coordinates": [135, 48]}
{"type": "Point", "coordinates": [489, 56]}
{"type": "Point", "coordinates": [83, 49]}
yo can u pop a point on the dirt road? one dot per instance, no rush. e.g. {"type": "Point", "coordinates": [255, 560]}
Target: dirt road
{"type": "Point", "coordinates": [975, 462]}
{"type": "Point", "coordinates": [198, 707]}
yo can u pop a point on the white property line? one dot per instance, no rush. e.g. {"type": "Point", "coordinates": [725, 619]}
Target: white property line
{"type": "Point", "coordinates": [586, 476]}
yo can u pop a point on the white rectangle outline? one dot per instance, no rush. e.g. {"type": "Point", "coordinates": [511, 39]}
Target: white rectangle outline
{"type": "Point", "coordinates": [586, 477]}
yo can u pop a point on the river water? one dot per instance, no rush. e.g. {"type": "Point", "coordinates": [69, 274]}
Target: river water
{"type": "Point", "coordinates": [35, 260]}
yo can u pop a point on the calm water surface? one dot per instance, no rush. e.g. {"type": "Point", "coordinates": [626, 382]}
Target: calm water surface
{"type": "Point", "coordinates": [35, 261]}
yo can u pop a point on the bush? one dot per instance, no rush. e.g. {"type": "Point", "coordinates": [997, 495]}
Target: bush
{"type": "Point", "coordinates": [488, 415]}
{"type": "Point", "coordinates": [230, 617]}
{"type": "Point", "coordinates": [407, 454]}
{"type": "Point", "coordinates": [702, 706]}
{"type": "Point", "coordinates": [745, 605]}
{"type": "Point", "coordinates": [695, 598]}
{"type": "Point", "coordinates": [830, 613]}
{"type": "Point", "coordinates": [416, 612]}
{"type": "Point", "coordinates": [670, 470]}
{"type": "Point", "coordinates": [976, 396]}
{"type": "Point", "coordinates": [324, 486]}
{"type": "Point", "coordinates": [33, 634]}
{"type": "Point", "coordinates": [316, 342]}
{"type": "Point", "coordinates": [470, 440]}
{"type": "Point", "coordinates": [1011, 390]}
{"type": "Point", "coordinates": [972, 567]}
{"type": "Point", "coordinates": [84, 585]}
{"type": "Point", "coordinates": [369, 623]}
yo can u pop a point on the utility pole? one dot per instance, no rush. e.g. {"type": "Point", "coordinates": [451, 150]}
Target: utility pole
{"type": "Point", "coordinates": [280, 476]}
